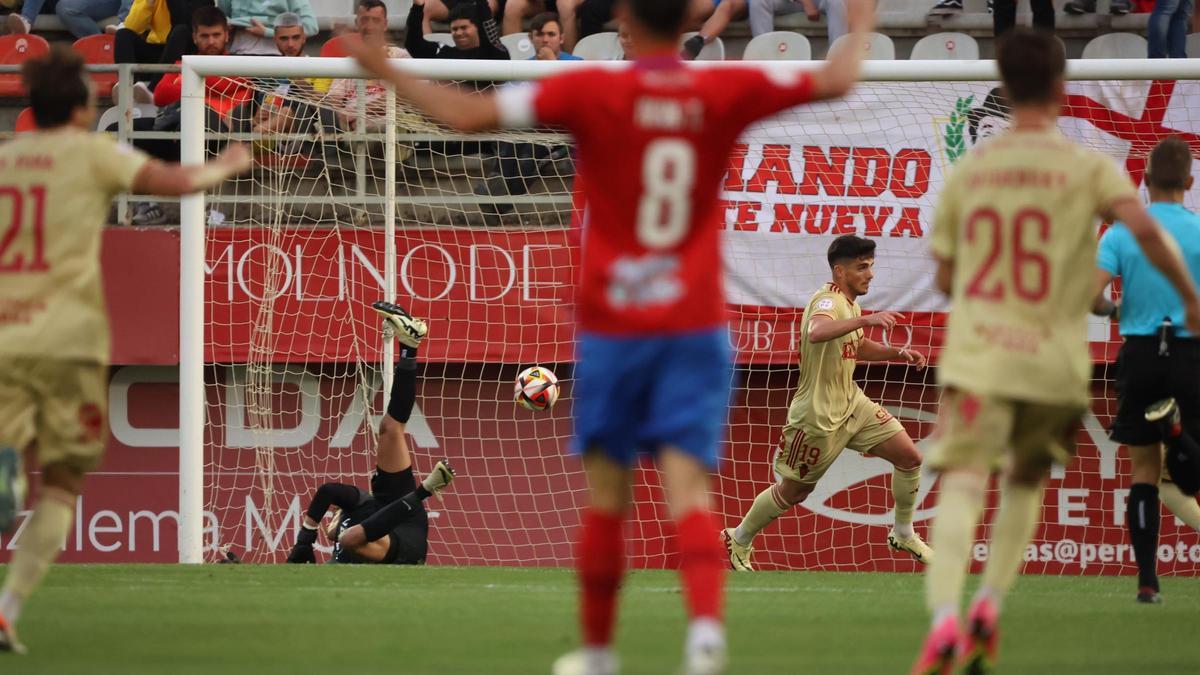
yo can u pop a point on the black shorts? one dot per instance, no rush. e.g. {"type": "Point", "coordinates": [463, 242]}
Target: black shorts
{"type": "Point", "coordinates": [1144, 377]}
{"type": "Point", "coordinates": [408, 543]}
{"type": "Point", "coordinates": [387, 487]}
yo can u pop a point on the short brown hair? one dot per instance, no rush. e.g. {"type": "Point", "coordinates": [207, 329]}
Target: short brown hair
{"type": "Point", "coordinates": [1032, 63]}
{"type": "Point", "coordinates": [1170, 165]}
{"type": "Point", "coordinates": [539, 22]}
{"type": "Point", "coordinates": [56, 86]}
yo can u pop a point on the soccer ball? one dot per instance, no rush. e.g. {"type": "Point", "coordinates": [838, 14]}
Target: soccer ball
{"type": "Point", "coordinates": [537, 388]}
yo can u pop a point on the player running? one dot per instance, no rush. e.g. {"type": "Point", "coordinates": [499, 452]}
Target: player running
{"type": "Point", "coordinates": [388, 525]}
{"type": "Point", "coordinates": [1015, 238]}
{"type": "Point", "coordinates": [56, 186]}
{"type": "Point", "coordinates": [653, 372]}
{"type": "Point", "coordinates": [830, 412]}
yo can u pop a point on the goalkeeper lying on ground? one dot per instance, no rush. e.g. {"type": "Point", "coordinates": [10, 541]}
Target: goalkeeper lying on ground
{"type": "Point", "coordinates": [387, 525]}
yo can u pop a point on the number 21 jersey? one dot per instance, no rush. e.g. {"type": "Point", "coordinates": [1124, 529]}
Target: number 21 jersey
{"type": "Point", "coordinates": [55, 191]}
{"type": "Point", "coordinates": [653, 144]}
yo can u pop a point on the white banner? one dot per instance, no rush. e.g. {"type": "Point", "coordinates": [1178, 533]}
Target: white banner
{"type": "Point", "coordinates": [873, 164]}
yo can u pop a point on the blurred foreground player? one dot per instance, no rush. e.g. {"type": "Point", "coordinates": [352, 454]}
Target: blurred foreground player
{"type": "Point", "coordinates": [830, 412]}
{"type": "Point", "coordinates": [1158, 367]}
{"type": "Point", "coordinates": [1015, 239]}
{"type": "Point", "coordinates": [389, 524]}
{"type": "Point", "coordinates": [56, 186]}
{"type": "Point", "coordinates": [653, 372]}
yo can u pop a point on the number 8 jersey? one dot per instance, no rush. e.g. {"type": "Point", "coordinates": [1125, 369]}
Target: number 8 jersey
{"type": "Point", "coordinates": [653, 144]}
{"type": "Point", "coordinates": [1017, 217]}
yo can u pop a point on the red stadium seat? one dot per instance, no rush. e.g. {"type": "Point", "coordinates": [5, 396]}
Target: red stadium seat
{"type": "Point", "coordinates": [15, 49]}
{"type": "Point", "coordinates": [25, 121]}
{"type": "Point", "coordinates": [335, 47]}
{"type": "Point", "coordinates": [97, 50]}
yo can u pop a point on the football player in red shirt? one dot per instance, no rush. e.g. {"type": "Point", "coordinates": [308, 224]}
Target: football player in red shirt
{"type": "Point", "coordinates": [654, 362]}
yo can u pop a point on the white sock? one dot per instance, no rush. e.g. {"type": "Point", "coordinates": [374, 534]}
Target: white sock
{"type": "Point", "coordinates": [942, 613]}
{"type": "Point", "coordinates": [903, 530]}
{"type": "Point", "coordinates": [10, 606]}
{"type": "Point", "coordinates": [742, 538]}
{"type": "Point", "coordinates": [600, 659]}
{"type": "Point", "coordinates": [986, 592]}
{"type": "Point", "coordinates": [705, 632]}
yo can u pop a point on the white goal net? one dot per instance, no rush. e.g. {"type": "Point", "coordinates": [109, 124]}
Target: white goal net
{"type": "Point", "coordinates": [353, 201]}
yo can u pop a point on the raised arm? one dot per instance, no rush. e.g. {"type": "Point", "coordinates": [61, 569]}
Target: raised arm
{"type": "Point", "coordinates": [842, 66]}
{"type": "Point", "coordinates": [172, 180]}
{"type": "Point", "coordinates": [414, 35]}
{"type": "Point", "coordinates": [1163, 254]}
{"type": "Point", "coordinates": [461, 111]}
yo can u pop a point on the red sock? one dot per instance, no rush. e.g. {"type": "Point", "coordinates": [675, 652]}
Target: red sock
{"type": "Point", "coordinates": [701, 565]}
{"type": "Point", "coordinates": [601, 562]}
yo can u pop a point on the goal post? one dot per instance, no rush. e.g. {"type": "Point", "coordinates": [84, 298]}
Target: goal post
{"type": "Point", "coordinates": [287, 374]}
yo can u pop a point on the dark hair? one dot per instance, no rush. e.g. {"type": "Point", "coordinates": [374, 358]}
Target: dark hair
{"type": "Point", "coordinates": [994, 105]}
{"type": "Point", "coordinates": [369, 5]}
{"type": "Point", "coordinates": [462, 11]}
{"type": "Point", "coordinates": [209, 16]}
{"type": "Point", "coordinates": [664, 18]}
{"type": "Point", "coordinates": [539, 22]}
{"type": "Point", "coordinates": [1170, 165]}
{"type": "Point", "coordinates": [1031, 63]}
{"type": "Point", "coordinates": [56, 86]}
{"type": "Point", "coordinates": [850, 247]}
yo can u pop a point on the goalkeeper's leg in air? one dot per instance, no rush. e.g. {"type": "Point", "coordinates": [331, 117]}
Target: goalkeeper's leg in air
{"type": "Point", "coordinates": [387, 525]}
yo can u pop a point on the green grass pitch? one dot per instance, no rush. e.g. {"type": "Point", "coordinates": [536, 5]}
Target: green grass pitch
{"type": "Point", "coordinates": [134, 619]}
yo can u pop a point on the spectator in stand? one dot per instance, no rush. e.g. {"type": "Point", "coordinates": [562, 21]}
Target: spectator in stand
{"type": "Point", "coordinates": [1118, 7]}
{"type": "Point", "coordinates": [545, 32]}
{"type": "Point", "coordinates": [370, 22]}
{"type": "Point", "coordinates": [1004, 12]}
{"type": "Point", "coordinates": [210, 33]}
{"type": "Point", "coordinates": [581, 18]}
{"type": "Point", "coordinates": [763, 13]}
{"type": "Point", "coordinates": [1167, 29]}
{"type": "Point", "coordinates": [439, 10]}
{"type": "Point", "coordinates": [155, 31]}
{"type": "Point", "coordinates": [252, 22]}
{"type": "Point", "coordinates": [723, 13]}
{"type": "Point", "coordinates": [286, 108]}
{"type": "Point", "coordinates": [625, 39]}
{"type": "Point", "coordinates": [516, 11]}
{"type": "Point", "coordinates": [476, 35]}
{"type": "Point", "coordinates": [79, 16]}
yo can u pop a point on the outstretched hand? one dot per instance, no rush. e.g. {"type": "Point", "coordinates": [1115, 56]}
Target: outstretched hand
{"type": "Point", "coordinates": [884, 320]}
{"type": "Point", "coordinates": [914, 358]}
{"type": "Point", "coordinates": [236, 158]}
{"type": "Point", "coordinates": [372, 57]}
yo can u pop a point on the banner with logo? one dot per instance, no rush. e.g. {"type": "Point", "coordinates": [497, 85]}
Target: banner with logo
{"type": "Point", "coordinates": [519, 491]}
{"type": "Point", "coordinates": [871, 165]}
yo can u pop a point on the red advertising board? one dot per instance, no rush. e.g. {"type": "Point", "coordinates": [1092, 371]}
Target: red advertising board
{"type": "Point", "coordinates": [516, 500]}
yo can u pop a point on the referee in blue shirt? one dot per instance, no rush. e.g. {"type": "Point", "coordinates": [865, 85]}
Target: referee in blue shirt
{"type": "Point", "coordinates": [1158, 368]}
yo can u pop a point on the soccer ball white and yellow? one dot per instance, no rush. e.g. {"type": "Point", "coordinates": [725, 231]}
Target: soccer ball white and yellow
{"type": "Point", "coordinates": [537, 388]}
